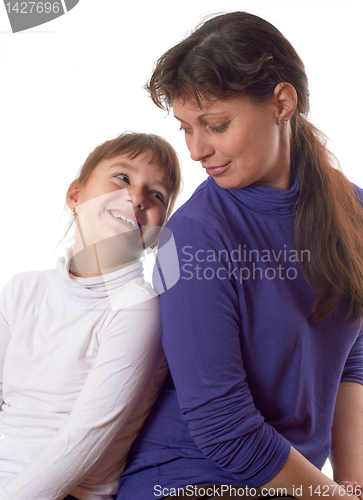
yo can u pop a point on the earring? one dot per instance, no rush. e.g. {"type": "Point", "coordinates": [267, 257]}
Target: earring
{"type": "Point", "coordinates": [283, 121]}
{"type": "Point", "coordinates": [74, 211]}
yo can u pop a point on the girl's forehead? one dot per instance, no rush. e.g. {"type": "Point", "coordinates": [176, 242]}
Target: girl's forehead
{"type": "Point", "coordinates": [146, 160]}
{"type": "Point", "coordinates": [130, 161]}
{"type": "Point", "coordinates": [150, 159]}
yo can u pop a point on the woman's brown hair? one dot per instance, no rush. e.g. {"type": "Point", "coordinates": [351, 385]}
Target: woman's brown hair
{"type": "Point", "coordinates": [239, 53]}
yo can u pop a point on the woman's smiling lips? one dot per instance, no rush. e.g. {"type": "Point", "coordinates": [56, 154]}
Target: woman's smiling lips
{"type": "Point", "coordinates": [216, 170]}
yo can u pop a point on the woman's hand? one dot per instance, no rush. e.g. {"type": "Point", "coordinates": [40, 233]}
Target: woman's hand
{"type": "Point", "coordinates": [353, 488]}
{"type": "Point", "coordinates": [346, 454]}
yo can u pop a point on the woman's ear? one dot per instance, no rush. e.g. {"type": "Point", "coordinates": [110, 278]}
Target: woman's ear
{"type": "Point", "coordinates": [73, 194]}
{"type": "Point", "coordinates": [286, 99]}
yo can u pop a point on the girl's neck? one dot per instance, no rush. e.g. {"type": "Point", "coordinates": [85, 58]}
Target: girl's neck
{"type": "Point", "coordinates": [100, 258]}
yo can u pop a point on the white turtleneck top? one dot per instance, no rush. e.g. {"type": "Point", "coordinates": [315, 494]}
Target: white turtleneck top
{"type": "Point", "coordinates": [81, 364]}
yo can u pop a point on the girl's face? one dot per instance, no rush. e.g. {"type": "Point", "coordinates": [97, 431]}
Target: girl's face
{"type": "Point", "coordinates": [121, 197]}
{"type": "Point", "coordinates": [238, 142]}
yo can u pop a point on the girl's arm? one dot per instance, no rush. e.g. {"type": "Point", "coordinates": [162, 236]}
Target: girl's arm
{"type": "Point", "coordinates": [129, 354]}
{"type": "Point", "coordinates": [4, 332]}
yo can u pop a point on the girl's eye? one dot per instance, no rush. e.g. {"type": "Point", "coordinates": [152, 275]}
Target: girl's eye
{"type": "Point", "coordinates": [219, 128]}
{"type": "Point", "coordinates": [158, 195]}
{"type": "Point", "coordinates": [184, 129]}
{"type": "Point", "coordinates": [123, 177]}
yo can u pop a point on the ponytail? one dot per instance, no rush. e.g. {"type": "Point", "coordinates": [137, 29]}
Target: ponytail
{"type": "Point", "coordinates": [329, 222]}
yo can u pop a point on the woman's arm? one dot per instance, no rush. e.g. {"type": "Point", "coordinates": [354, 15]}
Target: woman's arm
{"type": "Point", "coordinates": [201, 326]}
{"type": "Point", "coordinates": [201, 337]}
{"type": "Point", "coordinates": [347, 434]}
{"type": "Point", "coordinates": [299, 478]}
{"type": "Point", "coordinates": [129, 354]}
{"type": "Point", "coordinates": [347, 431]}
{"type": "Point", "coordinates": [347, 439]}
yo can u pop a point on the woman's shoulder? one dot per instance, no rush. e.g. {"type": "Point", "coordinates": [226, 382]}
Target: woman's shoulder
{"type": "Point", "coordinates": [359, 192]}
{"type": "Point", "coordinates": [204, 205]}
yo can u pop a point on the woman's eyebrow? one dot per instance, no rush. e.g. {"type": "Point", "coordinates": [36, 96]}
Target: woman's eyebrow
{"type": "Point", "coordinates": [200, 117]}
{"type": "Point", "coordinates": [179, 119]}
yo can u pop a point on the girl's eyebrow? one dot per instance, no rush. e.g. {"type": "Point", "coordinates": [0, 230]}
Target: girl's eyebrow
{"type": "Point", "coordinates": [162, 184]}
{"type": "Point", "coordinates": [123, 165]}
{"type": "Point", "coordinates": [133, 169]}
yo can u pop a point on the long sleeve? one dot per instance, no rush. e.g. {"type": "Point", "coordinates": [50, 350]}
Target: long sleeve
{"type": "Point", "coordinates": [201, 322]}
{"type": "Point", "coordinates": [254, 377]}
{"type": "Point", "coordinates": [129, 354]}
{"type": "Point", "coordinates": [4, 334]}
{"type": "Point", "coordinates": [353, 369]}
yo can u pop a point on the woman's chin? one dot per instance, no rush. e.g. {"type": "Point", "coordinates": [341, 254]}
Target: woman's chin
{"type": "Point", "coordinates": [226, 183]}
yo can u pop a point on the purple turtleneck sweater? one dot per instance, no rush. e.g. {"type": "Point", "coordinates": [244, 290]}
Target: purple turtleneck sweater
{"type": "Point", "coordinates": [252, 375]}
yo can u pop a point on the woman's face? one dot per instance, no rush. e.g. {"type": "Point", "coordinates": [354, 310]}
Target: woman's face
{"type": "Point", "coordinates": [122, 197]}
{"type": "Point", "coordinates": [238, 142]}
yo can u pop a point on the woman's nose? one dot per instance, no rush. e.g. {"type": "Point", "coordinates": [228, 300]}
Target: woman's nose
{"type": "Point", "coordinates": [199, 146]}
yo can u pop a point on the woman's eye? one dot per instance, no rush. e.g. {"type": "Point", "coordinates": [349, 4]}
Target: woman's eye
{"type": "Point", "coordinates": [123, 177]}
{"type": "Point", "coordinates": [158, 195]}
{"type": "Point", "coordinates": [219, 128]}
{"type": "Point", "coordinates": [184, 129]}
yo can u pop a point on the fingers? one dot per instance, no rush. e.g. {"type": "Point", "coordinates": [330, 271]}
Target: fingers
{"type": "Point", "coordinates": [353, 488]}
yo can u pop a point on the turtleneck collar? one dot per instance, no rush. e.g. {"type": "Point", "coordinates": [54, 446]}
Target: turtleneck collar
{"type": "Point", "coordinates": [266, 200]}
{"type": "Point", "coordinates": [97, 287]}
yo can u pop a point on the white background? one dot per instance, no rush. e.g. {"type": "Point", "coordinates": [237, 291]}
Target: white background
{"type": "Point", "coordinates": [68, 85]}
{"type": "Point", "coordinates": [71, 84]}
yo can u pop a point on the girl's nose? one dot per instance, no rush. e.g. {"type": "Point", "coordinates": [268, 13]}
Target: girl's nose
{"type": "Point", "coordinates": [135, 196]}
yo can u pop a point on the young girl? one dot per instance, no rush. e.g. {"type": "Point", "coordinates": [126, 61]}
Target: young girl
{"type": "Point", "coordinates": [80, 351]}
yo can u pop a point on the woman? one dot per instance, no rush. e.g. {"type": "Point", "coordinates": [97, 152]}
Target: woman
{"type": "Point", "coordinates": [262, 332]}
{"type": "Point", "coordinates": [81, 357]}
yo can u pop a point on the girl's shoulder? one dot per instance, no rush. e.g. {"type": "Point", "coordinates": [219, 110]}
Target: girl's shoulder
{"type": "Point", "coordinates": [24, 288]}
{"type": "Point", "coordinates": [26, 279]}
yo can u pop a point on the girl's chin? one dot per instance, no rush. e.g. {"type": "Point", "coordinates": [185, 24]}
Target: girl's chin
{"type": "Point", "coordinates": [150, 234]}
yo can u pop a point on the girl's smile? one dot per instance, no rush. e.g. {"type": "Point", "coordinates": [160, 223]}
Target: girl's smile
{"type": "Point", "coordinates": [121, 195]}
{"type": "Point", "coordinates": [127, 218]}
{"type": "Point", "coordinates": [121, 207]}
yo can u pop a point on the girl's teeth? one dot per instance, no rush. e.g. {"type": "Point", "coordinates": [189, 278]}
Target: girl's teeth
{"type": "Point", "coordinates": [125, 220]}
